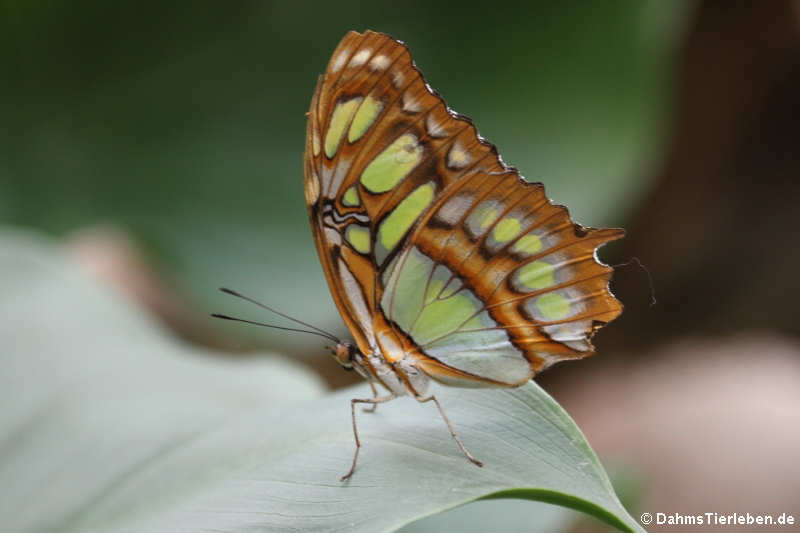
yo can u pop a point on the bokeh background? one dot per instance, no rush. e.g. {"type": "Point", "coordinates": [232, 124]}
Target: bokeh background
{"type": "Point", "coordinates": [161, 143]}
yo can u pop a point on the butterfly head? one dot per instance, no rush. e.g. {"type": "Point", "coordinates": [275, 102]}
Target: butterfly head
{"type": "Point", "coordinates": [344, 353]}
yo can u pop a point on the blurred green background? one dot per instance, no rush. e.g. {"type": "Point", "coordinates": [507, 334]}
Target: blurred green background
{"type": "Point", "coordinates": [183, 123]}
{"type": "Point", "coordinates": [161, 144]}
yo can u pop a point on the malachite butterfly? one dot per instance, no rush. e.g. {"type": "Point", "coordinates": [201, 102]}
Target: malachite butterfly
{"type": "Point", "coordinates": [445, 263]}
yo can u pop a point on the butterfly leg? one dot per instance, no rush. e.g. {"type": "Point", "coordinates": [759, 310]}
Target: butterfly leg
{"type": "Point", "coordinates": [374, 406]}
{"type": "Point", "coordinates": [468, 455]}
{"type": "Point", "coordinates": [353, 402]}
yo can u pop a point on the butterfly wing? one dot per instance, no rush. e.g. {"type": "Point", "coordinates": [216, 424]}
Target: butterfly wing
{"type": "Point", "coordinates": [435, 251]}
{"type": "Point", "coordinates": [496, 283]}
{"type": "Point", "coordinates": [352, 112]}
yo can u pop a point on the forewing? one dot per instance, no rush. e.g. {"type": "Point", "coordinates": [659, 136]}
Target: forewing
{"type": "Point", "coordinates": [380, 146]}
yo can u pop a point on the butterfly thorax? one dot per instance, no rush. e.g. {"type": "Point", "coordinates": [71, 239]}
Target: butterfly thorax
{"type": "Point", "coordinates": [400, 378]}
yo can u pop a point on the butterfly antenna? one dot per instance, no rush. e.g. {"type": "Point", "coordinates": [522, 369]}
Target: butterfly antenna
{"type": "Point", "coordinates": [226, 317]}
{"type": "Point", "coordinates": [635, 260]}
{"type": "Point", "coordinates": [284, 315]}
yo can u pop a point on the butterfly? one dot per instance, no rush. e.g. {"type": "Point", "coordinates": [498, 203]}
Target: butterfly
{"type": "Point", "coordinates": [444, 263]}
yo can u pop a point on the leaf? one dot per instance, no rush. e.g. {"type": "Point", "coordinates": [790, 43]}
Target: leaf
{"type": "Point", "coordinates": [108, 424]}
{"type": "Point", "coordinates": [499, 515]}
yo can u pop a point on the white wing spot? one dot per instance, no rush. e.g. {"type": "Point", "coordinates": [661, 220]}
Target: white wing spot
{"type": "Point", "coordinates": [457, 157]}
{"type": "Point", "coordinates": [360, 58]}
{"type": "Point", "coordinates": [434, 127]}
{"type": "Point", "coordinates": [316, 146]}
{"type": "Point", "coordinates": [410, 103]}
{"type": "Point", "coordinates": [339, 61]}
{"type": "Point", "coordinates": [454, 208]}
{"type": "Point", "coordinates": [333, 236]}
{"type": "Point", "coordinates": [312, 188]}
{"type": "Point", "coordinates": [573, 334]}
{"type": "Point", "coordinates": [398, 79]}
{"type": "Point", "coordinates": [379, 62]}
{"type": "Point", "coordinates": [325, 178]}
{"type": "Point", "coordinates": [342, 167]}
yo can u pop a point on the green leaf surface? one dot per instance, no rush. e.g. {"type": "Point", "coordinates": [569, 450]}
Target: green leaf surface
{"type": "Point", "coordinates": [109, 424]}
{"type": "Point", "coordinates": [501, 516]}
